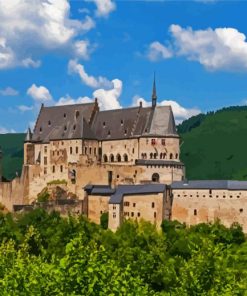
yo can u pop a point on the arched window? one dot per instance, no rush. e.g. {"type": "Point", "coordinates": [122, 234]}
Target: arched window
{"type": "Point", "coordinates": [77, 114]}
{"type": "Point", "coordinates": [105, 159]}
{"type": "Point", "coordinates": [118, 158]}
{"type": "Point", "coordinates": [111, 158]}
{"type": "Point", "coordinates": [161, 155]}
{"type": "Point", "coordinates": [151, 155]}
{"type": "Point", "coordinates": [171, 156]}
{"type": "Point", "coordinates": [155, 155]}
{"type": "Point", "coordinates": [125, 157]}
{"type": "Point", "coordinates": [164, 155]}
{"type": "Point", "coordinates": [176, 155]}
{"type": "Point", "coordinates": [155, 177]}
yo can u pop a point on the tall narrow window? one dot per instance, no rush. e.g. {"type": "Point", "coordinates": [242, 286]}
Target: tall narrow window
{"type": "Point", "coordinates": [61, 168]}
{"type": "Point", "coordinates": [195, 212]}
{"type": "Point", "coordinates": [71, 150]}
{"type": "Point", "coordinates": [53, 169]}
{"type": "Point", "coordinates": [76, 150]}
{"type": "Point", "coordinates": [153, 204]}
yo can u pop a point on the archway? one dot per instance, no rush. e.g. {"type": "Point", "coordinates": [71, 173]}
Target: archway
{"type": "Point", "coordinates": [111, 158]}
{"type": "Point", "coordinates": [118, 158]}
{"type": "Point", "coordinates": [155, 177]}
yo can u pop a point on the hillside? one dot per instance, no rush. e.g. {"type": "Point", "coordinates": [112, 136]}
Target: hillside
{"type": "Point", "coordinates": [214, 145]}
{"type": "Point", "coordinates": [12, 147]}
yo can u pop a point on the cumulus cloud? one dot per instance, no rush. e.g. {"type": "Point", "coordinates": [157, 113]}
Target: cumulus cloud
{"type": "Point", "coordinates": [215, 49]}
{"type": "Point", "coordinates": [30, 27]}
{"type": "Point", "coordinates": [107, 99]}
{"type": "Point", "coordinates": [91, 81]}
{"type": "Point", "coordinates": [24, 108]}
{"type": "Point", "coordinates": [39, 93]}
{"type": "Point", "coordinates": [104, 7]}
{"type": "Point", "coordinates": [157, 51]}
{"type": "Point", "coordinates": [8, 91]}
{"type": "Point", "coordinates": [180, 113]}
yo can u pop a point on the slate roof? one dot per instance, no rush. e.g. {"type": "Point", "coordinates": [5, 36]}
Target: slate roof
{"type": "Point", "coordinates": [210, 184]}
{"type": "Point", "coordinates": [123, 190]}
{"type": "Point", "coordinates": [99, 189]}
{"type": "Point", "coordinates": [61, 122]}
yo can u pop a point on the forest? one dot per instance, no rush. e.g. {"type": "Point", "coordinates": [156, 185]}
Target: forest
{"type": "Point", "coordinates": [45, 254]}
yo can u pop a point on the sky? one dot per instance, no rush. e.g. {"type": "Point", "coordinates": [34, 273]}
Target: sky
{"type": "Point", "coordinates": [60, 52]}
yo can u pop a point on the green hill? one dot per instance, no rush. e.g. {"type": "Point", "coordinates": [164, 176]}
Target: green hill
{"type": "Point", "coordinates": [214, 146]}
{"type": "Point", "coordinates": [12, 147]}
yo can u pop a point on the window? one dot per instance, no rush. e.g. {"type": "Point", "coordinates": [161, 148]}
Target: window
{"type": "Point", "coordinates": [153, 204]}
{"type": "Point", "coordinates": [176, 155]}
{"type": "Point", "coordinates": [111, 158]}
{"type": "Point", "coordinates": [138, 214]}
{"type": "Point", "coordinates": [241, 210]}
{"type": "Point", "coordinates": [71, 150]}
{"type": "Point", "coordinates": [77, 114]}
{"type": "Point", "coordinates": [94, 151]}
{"type": "Point", "coordinates": [45, 149]}
{"type": "Point", "coordinates": [155, 177]}
{"type": "Point", "coordinates": [61, 168]}
{"type": "Point", "coordinates": [105, 159]}
{"type": "Point", "coordinates": [163, 142]}
{"type": "Point", "coordinates": [74, 127]}
{"type": "Point", "coordinates": [45, 171]}
{"type": "Point", "coordinates": [126, 204]}
{"type": "Point", "coordinates": [103, 124]}
{"type": "Point", "coordinates": [53, 169]}
{"type": "Point", "coordinates": [49, 123]}
{"type": "Point", "coordinates": [133, 150]}
{"type": "Point", "coordinates": [85, 149]}
{"type": "Point", "coordinates": [153, 142]}
{"type": "Point", "coordinates": [121, 121]}
{"type": "Point", "coordinates": [125, 157]}
{"type": "Point", "coordinates": [171, 156]}
{"type": "Point", "coordinates": [76, 150]}
{"type": "Point", "coordinates": [210, 191]}
{"type": "Point", "coordinates": [118, 158]}
{"type": "Point", "coordinates": [134, 204]}
{"type": "Point", "coordinates": [125, 132]}
{"type": "Point", "coordinates": [114, 215]}
{"type": "Point", "coordinates": [114, 207]}
{"type": "Point", "coordinates": [155, 214]}
{"type": "Point", "coordinates": [45, 160]}
{"type": "Point", "coordinates": [109, 133]}
{"type": "Point", "coordinates": [90, 150]}
{"type": "Point", "coordinates": [64, 115]}
{"type": "Point", "coordinates": [151, 155]}
{"type": "Point", "coordinates": [195, 212]}
{"type": "Point", "coordinates": [40, 129]}
{"type": "Point", "coordinates": [155, 155]}
{"type": "Point", "coordinates": [65, 128]}
{"type": "Point", "coordinates": [132, 214]}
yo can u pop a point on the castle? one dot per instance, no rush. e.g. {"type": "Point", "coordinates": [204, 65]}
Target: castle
{"type": "Point", "coordinates": [125, 162]}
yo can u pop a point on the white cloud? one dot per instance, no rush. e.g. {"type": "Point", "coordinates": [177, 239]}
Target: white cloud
{"type": "Point", "coordinates": [157, 51]}
{"type": "Point", "coordinates": [218, 49]}
{"type": "Point", "coordinates": [107, 99]}
{"type": "Point", "coordinates": [4, 130]}
{"type": "Point", "coordinates": [24, 108]}
{"type": "Point", "coordinates": [39, 93]}
{"type": "Point", "coordinates": [31, 27]}
{"type": "Point", "coordinates": [83, 49]}
{"type": "Point", "coordinates": [104, 7]}
{"type": "Point", "coordinates": [180, 113]}
{"type": "Point", "coordinates": [8, 91]}
{"type": "Point", "coordinates": [74, 67]}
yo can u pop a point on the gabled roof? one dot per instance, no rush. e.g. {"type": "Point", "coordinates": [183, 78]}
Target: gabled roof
{"type": "Point", "coordinates": [63, 122]}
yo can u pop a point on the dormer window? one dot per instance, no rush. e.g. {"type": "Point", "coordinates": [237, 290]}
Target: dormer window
{"type": "Point", "coordinates": [121, 121]}
{"type": "Point", "coordinates": [125, 132]}
{"type": "Point", "coordinates": [64, 115]}
{"type": "Point", "coordinates": [74, 127]}
{"type": "Point", "coordinates": [49, 123]}
{"type": "Point", "coordinates": [109, 133]}
{"type": "Point", "coordinates": [40, 129]}
{"type": "Point", "coordinates": [65, 128]}
{"type": "Point", "coordinates": [104, 124]}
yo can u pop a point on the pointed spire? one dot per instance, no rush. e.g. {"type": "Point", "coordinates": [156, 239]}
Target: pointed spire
{"type": "Point", "coordinates": [29, 135]}
{"type": "Point", "coordinates": [154, 95]}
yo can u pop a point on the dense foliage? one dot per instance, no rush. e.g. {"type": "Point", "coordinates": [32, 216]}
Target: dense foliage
{"type": "Point", "coordinates": [44, 254]}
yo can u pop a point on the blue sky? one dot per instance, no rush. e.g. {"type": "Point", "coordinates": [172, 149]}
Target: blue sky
{"type": "Point", "coordinates": [63, 52]}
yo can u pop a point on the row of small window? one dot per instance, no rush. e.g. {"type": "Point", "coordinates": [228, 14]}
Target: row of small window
{"type": "Point", "coordinates": [90, 150]}
{"type": "Point", "coordinates": [217, 196]}
{"type": "Point", "coordinates": [165, 166]}
{"type": "Point", "coordinates": [156, 141]}
{"type": "Point", "coordinates": [118, 158]}
{"type": "Point", "coordinates": [127, 204]}
{"type": "Point", "coordinates": [161, 156]}
{"type": "Point", "coordinates": [195, 211]}
{"type": "Point", "coordinates": [132, 214]}
{"type": "Point", "coordinates": [61, 169]}
{"type": "Point", "coordinates": [70, 151]}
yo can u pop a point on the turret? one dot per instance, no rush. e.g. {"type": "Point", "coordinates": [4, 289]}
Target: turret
{"type": "Point", "coordinates": [29, 136]}
{"type": "Point", "coordinates": [154, 95]}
